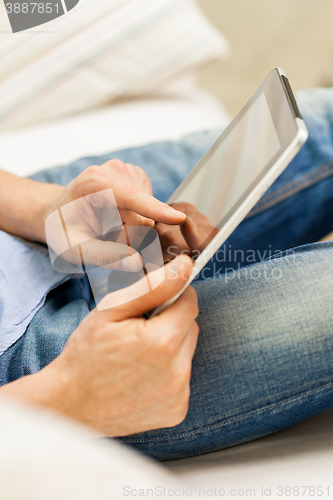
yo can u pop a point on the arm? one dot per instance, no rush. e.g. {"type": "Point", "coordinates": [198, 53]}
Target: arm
{"type": "Point", "coordinates": [22, 205]}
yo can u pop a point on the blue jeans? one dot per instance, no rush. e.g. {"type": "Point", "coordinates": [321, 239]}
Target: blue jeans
{"type": "Point", "coordinates": [264, 355]}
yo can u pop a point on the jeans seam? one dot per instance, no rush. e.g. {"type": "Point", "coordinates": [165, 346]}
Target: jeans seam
{"type": "Point", "coordinates": [303, 182]}
{"type": "Point", "coordinates": [231, 420]}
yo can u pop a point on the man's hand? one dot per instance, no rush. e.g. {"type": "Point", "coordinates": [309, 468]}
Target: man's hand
{"type": "Point", "coordinates": [91, 215]}
{"type": "Point", "coordinates": [119, 372]}
{"type": "Point", "coordinates": [25, 206]}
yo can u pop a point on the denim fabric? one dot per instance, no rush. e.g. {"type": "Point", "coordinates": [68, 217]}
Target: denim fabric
{"type": "Point", "coordinates": [264, 355]}
{"type": "Point", "coordinates": [65, 308]}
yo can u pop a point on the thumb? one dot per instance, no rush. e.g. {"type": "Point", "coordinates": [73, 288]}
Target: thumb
{"type": "Point", "coordinates": [151, 291]}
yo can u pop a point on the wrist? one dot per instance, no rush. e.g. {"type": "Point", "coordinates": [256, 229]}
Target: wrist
{"type": "Point", "coordinates": [45, 206]}
{"type": "Point", "coordinates": [24, 205]}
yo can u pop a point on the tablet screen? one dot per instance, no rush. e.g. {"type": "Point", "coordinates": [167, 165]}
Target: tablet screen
{"type": "Point", "coordinates": [223, 178]}
{"type": "Point", "coordinates": [230, 178]}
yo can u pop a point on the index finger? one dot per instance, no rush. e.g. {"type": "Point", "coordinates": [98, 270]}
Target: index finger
{"type": "Point", "coordinates": [132, 198]}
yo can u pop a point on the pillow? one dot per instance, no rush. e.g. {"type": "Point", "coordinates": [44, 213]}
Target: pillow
{"type": "Point", "coordinates": [97, 52]}
{"type": "Point", "coordinates": [57, 458]}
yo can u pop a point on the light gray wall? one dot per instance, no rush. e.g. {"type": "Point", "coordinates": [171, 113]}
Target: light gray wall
{"type": "Point", "coordinates": [294, 34]}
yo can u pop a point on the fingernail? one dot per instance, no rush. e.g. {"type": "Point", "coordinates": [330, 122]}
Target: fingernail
{"type": "Point", "coordinates": [183, 221]}
{"type": "Point", "coordinates": [177, 213]}
{"type": "Point", "coordinates": [131, 264]}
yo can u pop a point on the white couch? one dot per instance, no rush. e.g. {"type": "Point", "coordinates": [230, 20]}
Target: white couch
{"type": "Point", "coordinates": [45, 457]}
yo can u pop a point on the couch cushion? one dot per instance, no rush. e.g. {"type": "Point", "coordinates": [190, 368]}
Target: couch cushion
{"type": "Point", "coordinates": [180, 109]}
{"type": "Point", "coordinates": [296, 461]}
{"type": "Point", "coordinates": [93, 55]}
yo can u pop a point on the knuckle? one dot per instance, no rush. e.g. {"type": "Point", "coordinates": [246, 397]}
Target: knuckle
{"type": "Point", "coordinates": [192, 302]}
{"type": "Point", "coordinates": [116, 164]}
{"type": "Point", "coordinates": [179, 410]}
{"type": "Point", "coordinates": [84, 183]}
{"type": "Point", "coordinates": [196, 328]}
{"type": "Point", "coordinates": [130, 166]}
{"type": "Point", "coordinates": [91, 170]}
{"type": "Point", "coordinates": [181, 376]}
{"type": "Point", "coordinates": [193, 307]}
{"type": "Point", "coordinates": [90, 173]}
{"type": "Point", "coordinates": [165, 347]}
{"type": "Point", "coordinates": [141, 172]}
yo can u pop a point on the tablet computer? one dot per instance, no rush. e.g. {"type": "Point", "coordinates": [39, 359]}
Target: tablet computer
{"type": "Point", "coordinates": [242, 164]}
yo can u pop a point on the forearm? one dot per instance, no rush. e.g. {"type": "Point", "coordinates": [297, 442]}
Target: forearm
{"type": "Point", "coordinates": [23, 204]}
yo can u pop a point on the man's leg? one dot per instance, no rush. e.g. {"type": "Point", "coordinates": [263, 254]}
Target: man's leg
{"type": "Point", "coordinates": [264, 356]}
{"type": "Point", "coordinates": [263, 360]}
{"type": "Point", "coordinates": [45, 338]}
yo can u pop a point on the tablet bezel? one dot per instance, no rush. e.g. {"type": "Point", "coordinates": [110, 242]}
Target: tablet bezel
{"type": "Point", "coordinates": [292, 133]}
